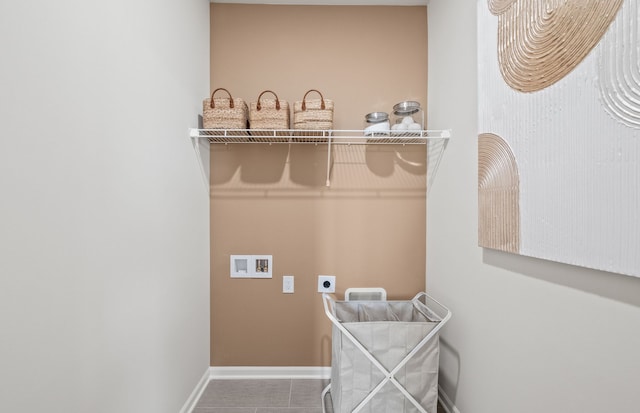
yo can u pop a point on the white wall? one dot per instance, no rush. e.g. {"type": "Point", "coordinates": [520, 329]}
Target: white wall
{"type": "Point", "coordinates": [526, 335]}
{"type": "Point", "coordinates": [104, 270]}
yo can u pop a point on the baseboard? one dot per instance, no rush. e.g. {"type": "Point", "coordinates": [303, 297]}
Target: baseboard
{"type": "Point", "coordinates": [192, 401]}
{"type": "Point", "coordinates": [446, 402]}
{"type": "Point", "coordinates": [260, 372]}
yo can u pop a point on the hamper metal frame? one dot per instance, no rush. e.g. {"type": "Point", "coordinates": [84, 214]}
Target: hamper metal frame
{"type": "Point", "coordinates": [423, 303]}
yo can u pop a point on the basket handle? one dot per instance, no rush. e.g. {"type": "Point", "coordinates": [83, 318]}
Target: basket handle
{"type": "Point", "coordinates": [213, 105]}
{"type": "Point", "coordinates": [304, 103]}
{"type": "Point", "coordinates": [259, 106]}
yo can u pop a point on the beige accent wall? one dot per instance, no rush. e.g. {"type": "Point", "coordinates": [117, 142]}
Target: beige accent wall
{"type": "Point", "coordinates": [367, 229]}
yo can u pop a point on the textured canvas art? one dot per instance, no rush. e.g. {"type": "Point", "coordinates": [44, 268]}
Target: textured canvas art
{"type": "Point", "coordinates": [559, 130]}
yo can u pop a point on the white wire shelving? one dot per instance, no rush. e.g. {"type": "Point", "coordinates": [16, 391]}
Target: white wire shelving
{"type": "Point", "coordinates": [336, 137]}
{"type": "Point", "coordinates": [435, 140]}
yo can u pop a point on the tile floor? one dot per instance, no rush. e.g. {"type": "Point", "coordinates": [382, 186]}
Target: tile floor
{"type": "Point", "coordinates": [262, 396]}
{"type": "Point", "coordinates": [265, 396]}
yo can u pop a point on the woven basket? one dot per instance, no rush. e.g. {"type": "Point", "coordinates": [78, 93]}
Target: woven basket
{"type": "Point", "coordinates": [313, 114]}
{"type": "Point", "coordinates": [269, 115]}
{"type": "Point", "coordinates": [224, 113]}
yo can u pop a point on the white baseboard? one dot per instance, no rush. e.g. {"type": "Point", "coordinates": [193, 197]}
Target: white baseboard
{"type": "Point", "coordinates": [446, 402]}
{"type": "Point", "coordinates": [192, 401]}
{"type": "Point", "coordinates": [260, 372]}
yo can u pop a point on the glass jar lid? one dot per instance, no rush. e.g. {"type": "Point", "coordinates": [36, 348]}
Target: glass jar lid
{"type": "Point", "coordinates": [377, 117]}
{"type": "Point", "coordinates": [408, 107]}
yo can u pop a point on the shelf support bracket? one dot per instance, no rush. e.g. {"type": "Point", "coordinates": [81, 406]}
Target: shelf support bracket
{"type": "Point", "coordinates": [328, 183]}
{"type": "Point", "coordinates": [202, 148]}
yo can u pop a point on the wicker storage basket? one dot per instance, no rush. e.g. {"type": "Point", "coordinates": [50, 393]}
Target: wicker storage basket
{"type": "Point", "coordinates": [269, 115]}
{"type": "Point", "coordinates": [224, 113]}
{"type": "Point", "coordinates": [313, 114]}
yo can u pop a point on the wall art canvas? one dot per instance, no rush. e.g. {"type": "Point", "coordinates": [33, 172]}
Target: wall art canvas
{"type": "Point", "coordinates": [559, 131]}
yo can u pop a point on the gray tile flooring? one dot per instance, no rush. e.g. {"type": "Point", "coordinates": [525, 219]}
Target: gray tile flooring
{"type": "Point", "coordinates": [262, 396]}
{"type": "Point", "coordinates": [265, 396]}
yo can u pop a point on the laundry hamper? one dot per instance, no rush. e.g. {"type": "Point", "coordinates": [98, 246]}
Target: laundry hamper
{"type": "Point", "coordinates": [385, 355]}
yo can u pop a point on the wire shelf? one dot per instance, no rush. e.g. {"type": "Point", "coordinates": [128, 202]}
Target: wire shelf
{"type": "Point", "coordinates": [336, 137]}
{"type": "Point", "coordinates": [435, 141]}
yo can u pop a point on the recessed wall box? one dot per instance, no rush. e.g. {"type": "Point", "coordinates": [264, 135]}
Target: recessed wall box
{"type": "Point", "coordinates": [251, 266]}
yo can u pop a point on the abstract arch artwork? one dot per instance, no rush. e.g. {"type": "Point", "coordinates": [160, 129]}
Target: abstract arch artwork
{"type": "Point", "coordinates": [559, 131]}
{"type": "Point", "coordinates": [498, 195]}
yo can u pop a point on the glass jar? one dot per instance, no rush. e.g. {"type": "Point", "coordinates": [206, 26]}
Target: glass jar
{"type": "Point", "coordinates": [408, 117]}
{"type": "Point", "coordinates": [377, 124]}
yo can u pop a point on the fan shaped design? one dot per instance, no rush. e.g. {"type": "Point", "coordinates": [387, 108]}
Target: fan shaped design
{"type": "Point", "coordinates": [498, 195]}
{"type": "Point", "coordinates": [541, 41]}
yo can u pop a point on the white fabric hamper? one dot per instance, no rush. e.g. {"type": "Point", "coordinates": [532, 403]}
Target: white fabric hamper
{"type": "Point", "coordinates": [385, 354]}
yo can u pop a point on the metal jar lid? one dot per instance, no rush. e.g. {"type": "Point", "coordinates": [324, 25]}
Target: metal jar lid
{"type": "Point", "coordinates": [408, 107]}
{"type": "Point", "coordinates": [377, 117]}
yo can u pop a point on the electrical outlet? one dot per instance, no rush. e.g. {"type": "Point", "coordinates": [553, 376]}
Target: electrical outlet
{"type": "Point", "coordinates": [287, 284]}
{"type": "Point", "coordinates": [326, 283]}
